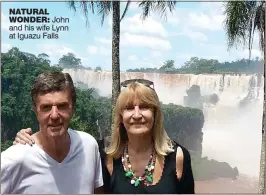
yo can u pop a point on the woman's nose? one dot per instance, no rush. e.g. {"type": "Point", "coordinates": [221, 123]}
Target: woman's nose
{"type": "Point", "coordinates": [137, 112]}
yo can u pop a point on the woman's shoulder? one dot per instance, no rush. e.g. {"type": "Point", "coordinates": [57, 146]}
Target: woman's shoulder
{"type": "Point", "coordinates": [180, 151]}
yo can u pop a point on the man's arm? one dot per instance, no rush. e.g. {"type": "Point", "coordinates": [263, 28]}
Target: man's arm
{"type": "Point", "coordinates": [5, 180]}
{"type": "Point", "coordinates": [10, 166]}
{"type": "Point", "coordinates": [98, 183]}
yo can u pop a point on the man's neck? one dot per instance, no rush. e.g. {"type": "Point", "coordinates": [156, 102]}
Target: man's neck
{"type": "Point", "coordinates": [57, 148]}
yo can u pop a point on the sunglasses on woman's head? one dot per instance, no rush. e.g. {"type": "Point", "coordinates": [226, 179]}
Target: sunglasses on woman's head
{"type": "Point", "coordinates": [145, 82]}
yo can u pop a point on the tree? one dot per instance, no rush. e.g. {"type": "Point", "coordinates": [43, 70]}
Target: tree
{"type": "Point", "coordinates": [69, 61]}
{"type": "Point", "coordinates": [104, 8]}
{"type": "Point", "coordinates": [243, 19]}
{"type": "Point", "coordinates": [98, 68]}
{"type": "Point", "coordinates": [18, 72]}
{"type": "Point", "coordinates": [44, 58]}
{"type": "Point", "coordinates": [168, 66]}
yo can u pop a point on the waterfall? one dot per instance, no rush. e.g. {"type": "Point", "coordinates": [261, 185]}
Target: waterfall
{"type": "Point", "coordinates": [232, 129]}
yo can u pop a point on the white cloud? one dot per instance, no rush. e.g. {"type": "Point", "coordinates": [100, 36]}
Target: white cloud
{"type": "Point", "coordinates": [132, 58]}
{"type": "Point", "coordinates": [92, 49]}
{"type": "Point", "coordinates": [193, 35]}
{"type": "Point", "coordinates": [55, 50]}
{"type": "Point", "coordinates": [182, 57]}
{"type": "Point", "coordinates": [134, 6]}
{"type": "Point", "coordinates": [201, 20]}
{"type": "Point", "coordinates": [173, 18]}
{"type": "Point", "coordinates": [214, 7]}
{"type": "Point", "coordinates": [103, 40]}
{"type": "Point", "coordinates": [209, 16]}
{"type": "Point", "coordinates": [5, 47]}
{"type": "Point", "coordinates": [128, 39]}
{"type": "Point", "coordinates": [245, 53]}
{"type": "Point", "coordinates": [84, 61]}
{"type": "Point", "coordinates": [155, 54]}
{"type": "Point", "coordinates": [221, 53]}
{"type": "Point", "coordinates": [134, 24]}
{"type": "Point", "coordinates": [99, 50]}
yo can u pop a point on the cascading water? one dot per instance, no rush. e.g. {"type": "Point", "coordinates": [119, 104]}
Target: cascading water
{"type": "Point", "coordinates": [232, 129]}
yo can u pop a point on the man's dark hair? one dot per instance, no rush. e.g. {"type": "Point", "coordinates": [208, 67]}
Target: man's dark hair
{"type": "Point", "coordinates": [52, 82]}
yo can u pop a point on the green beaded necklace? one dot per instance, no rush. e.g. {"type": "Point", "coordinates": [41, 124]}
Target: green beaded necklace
{"type": "Point", "coordinates": [149, 169]}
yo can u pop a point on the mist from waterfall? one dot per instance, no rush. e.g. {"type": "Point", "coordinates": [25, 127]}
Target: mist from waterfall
{"type": "Point", "coordinates": [231, 133]}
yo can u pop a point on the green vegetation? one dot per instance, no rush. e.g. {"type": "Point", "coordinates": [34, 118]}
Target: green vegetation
{"type": "Point", "coordinates": [197, 66]}
{"type": "Point", "coordinates": [71, 61]}
{"type": "Point", "coordinates": [18, 72]}
{"type": "Point", "coordinates": [92, 112]}
{"type": "Point", "coordinates": [193, 66]}
{"type": "Point", "coordinates": [184, 125]}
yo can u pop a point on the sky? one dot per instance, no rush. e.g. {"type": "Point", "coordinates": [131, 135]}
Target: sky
{"type": "Point", "coordinates": [194, 29]}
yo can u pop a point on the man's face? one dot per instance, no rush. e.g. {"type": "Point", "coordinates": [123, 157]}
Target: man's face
{"type": "Point", "coordinates": [54, 112]}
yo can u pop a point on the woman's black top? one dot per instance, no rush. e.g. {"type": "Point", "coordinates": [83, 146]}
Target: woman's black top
{"type": "Point", "coordinates": [118, 183]}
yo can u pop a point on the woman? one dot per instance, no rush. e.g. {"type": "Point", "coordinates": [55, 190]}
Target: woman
{"type": "Point", "coordinates": [141, 158]}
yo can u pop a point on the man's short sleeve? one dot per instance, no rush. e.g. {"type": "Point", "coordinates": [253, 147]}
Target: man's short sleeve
{"type": "Point", "coordinates": [5, 176]}
{"type": "Point", "coordinates": [10, 167]}
{"type": "Point", "coordinates": [98, 171]}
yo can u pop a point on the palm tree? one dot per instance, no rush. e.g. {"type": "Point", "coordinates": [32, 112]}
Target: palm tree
{"type": "Point", "coordinates": [103, 10]}
{"type": "Point", "coordinates": [243, 19]}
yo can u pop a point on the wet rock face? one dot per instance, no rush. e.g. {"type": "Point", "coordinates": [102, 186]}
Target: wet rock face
{"type": "Point", "coordinates": [194, 99]}
{"type": "Point", "coordinates": [194, 92]}
{"type": "Point", "coordinates": [205, 169]}
{"type": "Point", "coordinates": [211, 99]}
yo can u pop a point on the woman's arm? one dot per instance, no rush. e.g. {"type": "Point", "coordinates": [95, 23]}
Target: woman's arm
{"type": "Point", "coordinates": [187, 178]}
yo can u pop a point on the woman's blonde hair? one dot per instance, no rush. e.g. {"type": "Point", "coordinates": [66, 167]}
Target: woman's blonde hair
{"type": "Point", "coordinates": [162, 143]}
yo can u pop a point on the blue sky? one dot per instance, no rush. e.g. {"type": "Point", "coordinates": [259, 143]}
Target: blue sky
{"type": "Point", "coordinates": [194, 29]}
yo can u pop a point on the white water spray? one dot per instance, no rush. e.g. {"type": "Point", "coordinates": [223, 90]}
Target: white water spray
{"type": "Point", "coordinates": [231, 134]}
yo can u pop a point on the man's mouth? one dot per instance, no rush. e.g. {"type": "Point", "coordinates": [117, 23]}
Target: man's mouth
{"type": "Point", "coordinates": [55, 126]}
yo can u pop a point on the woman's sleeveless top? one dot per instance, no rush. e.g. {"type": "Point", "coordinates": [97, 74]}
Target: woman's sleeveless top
{"type": "Point", "coordinates": [118, 183]}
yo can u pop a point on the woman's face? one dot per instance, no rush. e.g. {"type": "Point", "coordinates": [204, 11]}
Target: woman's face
{"type": "Point", "coordinates": [138, 118]}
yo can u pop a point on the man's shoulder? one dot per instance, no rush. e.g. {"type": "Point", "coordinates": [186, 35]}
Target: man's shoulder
{"type": "Point", "coordinates": [84, 137]}
{"type": "Point", "coordinates": [15, 155]}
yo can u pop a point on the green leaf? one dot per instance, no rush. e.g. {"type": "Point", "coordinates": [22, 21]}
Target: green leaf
{"type": "Point", "coordinates": [149, 179]}
{"type": "Point", "coordinates": [137, 182]}
{"type": "Point", "coordinates": [129, 174]}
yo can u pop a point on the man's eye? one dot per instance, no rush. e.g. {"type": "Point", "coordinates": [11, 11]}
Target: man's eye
{"type": "Point", "coordinates": [46, 107]}
{"type": "Point", "coordinates": [62, 106]}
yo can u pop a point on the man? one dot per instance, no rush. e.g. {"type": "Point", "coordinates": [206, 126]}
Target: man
{"type": "Point", "coordinates": [62, 160]}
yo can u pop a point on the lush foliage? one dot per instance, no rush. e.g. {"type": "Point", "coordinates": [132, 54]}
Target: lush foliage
{"type": "Point", "coordinates": [18, 72]}
{"type": "Point", "coordinates": [199, 65]}
{"type": "Point", "coordinates": [70, 60]}
{"type": "Point", "coordinates": [242, 20]}
{"type": "Point", "coordinates": [92, 112]}
{"type": "Point", "coordinates": [184, 125]}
